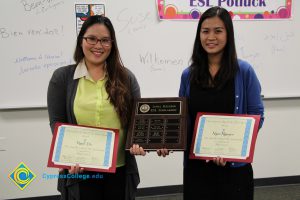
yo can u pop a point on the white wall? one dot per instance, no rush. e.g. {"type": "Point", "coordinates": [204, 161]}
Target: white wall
{"type": "Point", "coordinates": [149, 47]}
{"type": "Point", "coordinates": [25, 136]}
{"type": "Point", "coordinates": [277, 150]}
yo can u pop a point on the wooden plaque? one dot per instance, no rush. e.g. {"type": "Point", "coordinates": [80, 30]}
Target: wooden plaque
{"type": "Point", "coordinates": [158, 123]}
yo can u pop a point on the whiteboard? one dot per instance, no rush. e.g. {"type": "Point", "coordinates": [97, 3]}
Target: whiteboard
{"type": "Point", "coordinates": [38, 36]}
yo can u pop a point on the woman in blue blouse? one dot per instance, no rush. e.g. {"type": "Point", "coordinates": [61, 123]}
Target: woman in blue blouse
{"type": "Point", "coordinates": [218, 82]}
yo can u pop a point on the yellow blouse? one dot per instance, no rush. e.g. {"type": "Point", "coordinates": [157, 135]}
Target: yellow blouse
{"type": "Point", "coordinates": [93, 108]}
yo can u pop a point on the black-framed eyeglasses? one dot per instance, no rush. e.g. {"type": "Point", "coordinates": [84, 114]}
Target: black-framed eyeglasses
{"type": "Point", "coordinates": [94, 40]}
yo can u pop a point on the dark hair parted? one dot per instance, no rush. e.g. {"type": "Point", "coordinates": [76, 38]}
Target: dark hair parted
{"type": "Point", "coordinates": [118, 84]}
{"type": "Point", "coordinates": [199, 61]}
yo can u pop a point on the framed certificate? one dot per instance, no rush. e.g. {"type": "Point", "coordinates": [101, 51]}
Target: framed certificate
{"type": "Point", "coordinates": [93, 148]}
{"type": "Point", "coordinates": [230, 136]}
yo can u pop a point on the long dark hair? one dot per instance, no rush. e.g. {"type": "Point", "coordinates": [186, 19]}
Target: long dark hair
{"type": "Point", "coordinates": [199, 61]}
{"type": "Point", "coordinates": [117, 85]}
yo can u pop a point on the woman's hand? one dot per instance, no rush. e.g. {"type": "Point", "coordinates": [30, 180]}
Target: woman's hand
{"type": "Point", "coordinates": [219, 161]}
{"type": "Point", "coordinates": [137, 150]}
{"type": "Point", "coordinates": [76, 169]}
{"type": "Point", "coordinates": [163, 152]}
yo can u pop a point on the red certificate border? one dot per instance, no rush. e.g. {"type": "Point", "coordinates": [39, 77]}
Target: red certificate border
{"type": "Point", "coordinates": [253, 141]}
{"type": "Point", "coordinates": [112, 169]}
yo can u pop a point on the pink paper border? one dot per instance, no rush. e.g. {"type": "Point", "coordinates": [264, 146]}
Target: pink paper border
{"type": "Point", "coordinates": [169, 12]}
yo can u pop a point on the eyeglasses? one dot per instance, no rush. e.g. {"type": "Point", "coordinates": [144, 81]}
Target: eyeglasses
{"type": "Point", "coordinates": [94, 40]}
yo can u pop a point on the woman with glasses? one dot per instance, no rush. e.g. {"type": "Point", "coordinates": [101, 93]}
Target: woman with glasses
{"type": "Point", "coordinates": [96, 91]}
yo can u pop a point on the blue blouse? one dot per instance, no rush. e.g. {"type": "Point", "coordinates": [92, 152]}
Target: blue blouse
{"type": "Point", "coordinates": [247, 93]}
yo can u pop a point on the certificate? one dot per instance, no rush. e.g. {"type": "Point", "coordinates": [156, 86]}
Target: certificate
{"type": "Point", "coordinates": [93, 148]}
{"type": "Point", "coordinates": [230, 136]}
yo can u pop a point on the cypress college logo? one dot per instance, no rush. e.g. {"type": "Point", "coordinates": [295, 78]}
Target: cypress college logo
{"type": "Point", "coordinates": [22, 176]}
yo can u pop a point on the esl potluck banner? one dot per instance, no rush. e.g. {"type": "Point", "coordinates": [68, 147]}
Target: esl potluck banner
{"type": "Point", "coordinates": [239, 9]}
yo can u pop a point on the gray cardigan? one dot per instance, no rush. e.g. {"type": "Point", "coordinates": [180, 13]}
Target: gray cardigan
{"type": "Point", "coordinates": [60, 99]}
